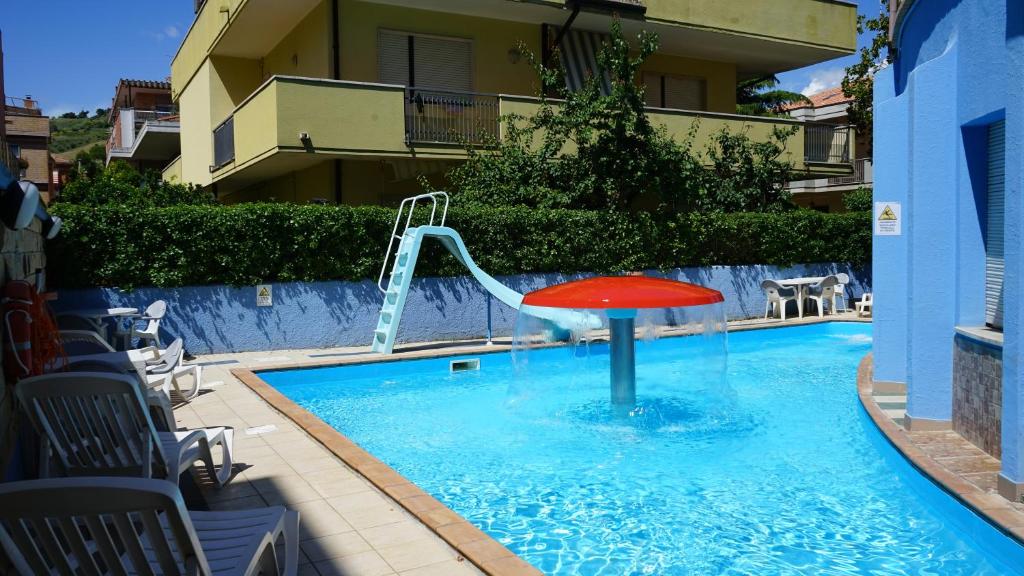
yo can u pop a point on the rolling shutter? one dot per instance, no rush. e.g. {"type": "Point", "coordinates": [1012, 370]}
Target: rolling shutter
{"type": "Point", "coordinates": [393, 57]}
{"type": "Point", "coordinates": [675, 92]}
{"type": "Point", "coordinates": [994, 261]}
{"type": "Point", "coordinates": [443, 63]}
{"type": "Point", "coordinates": [437, 63]}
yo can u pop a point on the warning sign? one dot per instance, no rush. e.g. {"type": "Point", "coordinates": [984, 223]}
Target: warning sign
{"type": "Point", "coordinates": [888, 219]}
{"type": "Point", "coordinates": [264, 295]}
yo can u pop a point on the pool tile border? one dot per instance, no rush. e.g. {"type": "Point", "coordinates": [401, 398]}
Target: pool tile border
{"type": "Point", "coordinates": [991, 507]}
{"type": "Point", "coordinates": [475, 545]}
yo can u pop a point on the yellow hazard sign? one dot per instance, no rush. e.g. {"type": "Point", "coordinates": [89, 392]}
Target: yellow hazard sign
{"type": "Point", "coordinates": [264, 295]}
{"type": "Point", "coordinates": [888, 219]}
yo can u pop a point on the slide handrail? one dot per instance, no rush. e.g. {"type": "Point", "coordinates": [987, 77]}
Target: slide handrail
{"type": "Point", "coordinates": [411, 204]}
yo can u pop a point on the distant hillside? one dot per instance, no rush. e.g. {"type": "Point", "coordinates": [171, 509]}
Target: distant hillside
{"type": "Point", "coordinates": [68, 133]}
{"type": "Point", "coordinates": [71, 153]}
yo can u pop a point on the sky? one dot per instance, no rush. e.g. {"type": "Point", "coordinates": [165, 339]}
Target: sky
{"type": "Point", "coordinates": [70, 54]}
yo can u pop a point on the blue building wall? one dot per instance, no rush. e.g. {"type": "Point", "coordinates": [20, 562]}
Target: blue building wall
{"type": "Point", "coordinates": [327, 314]}
{"type": "Point", "coordinates": [958, 69]}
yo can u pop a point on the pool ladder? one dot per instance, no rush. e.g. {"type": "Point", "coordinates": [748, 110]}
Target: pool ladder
{"type": "Point", "coordinates": [404, 263]}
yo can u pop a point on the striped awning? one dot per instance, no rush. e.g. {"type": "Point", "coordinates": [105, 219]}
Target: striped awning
{"type": "Point", "coordinates": [578, 50]}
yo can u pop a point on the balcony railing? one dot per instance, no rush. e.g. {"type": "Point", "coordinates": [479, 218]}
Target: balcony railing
{"type": "Point", "coordinates": [444, 117]}
{"type": "Point", "coordinates": [861, 174]}
{"type": "Point", "coordinates": [827, 143]}
{"type": "Point", "coordinates": [223, 143]}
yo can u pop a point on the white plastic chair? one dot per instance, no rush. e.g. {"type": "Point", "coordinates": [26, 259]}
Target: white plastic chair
{"type": "Point", "coordinates": [840, 292]}
{"type": "Point", "coordinates": [821, 292]}
{"type": "Point", "coordinates": [153, 314]}
{"type": "Point", "coordinates": [165, 370]}
{"type": "Point", "coordinates": [778, 296]}
{"type": "Point", "coordinates": [864, 306]}
{"type": "Point", "coordinates": [98, 424]}
{"type": "Point", "coordinates": [100, 526]}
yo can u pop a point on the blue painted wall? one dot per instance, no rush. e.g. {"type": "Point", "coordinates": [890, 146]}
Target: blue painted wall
{"type": "Point", "coordinates": [326, 314]}
{"type": "Point", "coordinates": [958, 69]}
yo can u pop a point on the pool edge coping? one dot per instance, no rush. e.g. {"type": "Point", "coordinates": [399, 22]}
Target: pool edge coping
{"type": "Point", "coordinates": [992, 508]}
{"type": "Point", "coordinates": [478, 547]}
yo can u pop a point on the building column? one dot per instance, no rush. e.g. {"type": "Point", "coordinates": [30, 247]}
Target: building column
{"type": "Point", "coordinates": [889, 261]}
{"type": "Point", "coordinates": [930, 219]}
{"type": "Point", "coordinates": [1011, 478]}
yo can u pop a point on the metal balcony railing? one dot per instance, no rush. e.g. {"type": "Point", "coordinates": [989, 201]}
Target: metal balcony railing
{"type": "Point", "coordinates": [861, 174]}
{"type": "Point", "coordinates": [446, 117]}
{"type": "Point", "coordinates": [827, 143]}
{"type": "Point", "coordinates": [223, 143]}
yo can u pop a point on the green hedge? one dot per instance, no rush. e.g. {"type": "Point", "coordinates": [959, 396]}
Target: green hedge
{"type": "Point", "coordinates": [248, 243]}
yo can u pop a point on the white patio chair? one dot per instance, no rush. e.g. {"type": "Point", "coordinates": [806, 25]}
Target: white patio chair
{"type": "Point", "coordinates": [153, 314]}
{"type": "Point", "coordinates": [159, 403]}
{"type": "Point", "coordinates": [101, 526]}
{"type": "Point", "coordinates": [165, 369]}
{"type": "Point", "coordinates": [778, 296]}
{"type": "Point", "coordinates": [821, 292]}
{"type": "Point", "coordinates": [840, 292]}
{"type": "Point", "coordinates": [864, 306]}
{"type": "Point", "coordinates": [98, 424]}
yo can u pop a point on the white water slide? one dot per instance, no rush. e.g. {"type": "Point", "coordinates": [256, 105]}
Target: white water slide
{"type": "Point", "coordinates": [404, 263]}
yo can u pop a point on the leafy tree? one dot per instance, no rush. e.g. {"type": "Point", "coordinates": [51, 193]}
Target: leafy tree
{"type": "Point", "coordinates": [69, 115]}
{"type": "Point", "coordinates": [858, 200]}
{"type": "Point", "coordinates": [761, 97]}
{"type": "Point", "coordinates": [101, 112]}
{"type": "Point", "coordinates": [859, 82]}
{"type": "Point", "coordinates": [600, 151]}
{"type": "Point", "coordinates": [82, 114]}
{"type": "Point", "coordinates": [88, 162]}
{"type": "Point", "coordinates": [120, 184]}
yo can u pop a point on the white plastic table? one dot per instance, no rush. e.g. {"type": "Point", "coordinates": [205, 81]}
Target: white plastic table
{"type": "Point", "coordinates": [96, 316]}
{"type": "Point", "coordinates": [800, 284]}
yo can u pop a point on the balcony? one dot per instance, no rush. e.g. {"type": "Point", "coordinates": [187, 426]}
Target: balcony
{"type": "Point", "coordinates": [145, 135]}
{"type": "Point", "coordinates": [291, 123]}
{"type": "Point", "coordinates": [862, 175]}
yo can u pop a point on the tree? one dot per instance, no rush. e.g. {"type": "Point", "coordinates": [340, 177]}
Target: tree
{"type": "Point", "coordinates": [122, 185]}
{"type": "Point", "coordinates": [619, 160]}
{"type": "Point", "coordinates": [69, 115]}
{"type": "Point", "coordinates": [82, 114]}
{"type": "Point", "coordinates": [761, 97]}
{"type": "Point", "coordinates": [859, 82]}
{"type": "Point", "coordinates": [101, 112]}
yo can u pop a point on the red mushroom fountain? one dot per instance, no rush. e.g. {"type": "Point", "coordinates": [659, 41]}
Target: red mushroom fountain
{"type": "Point", "coordinates": [615, 302]}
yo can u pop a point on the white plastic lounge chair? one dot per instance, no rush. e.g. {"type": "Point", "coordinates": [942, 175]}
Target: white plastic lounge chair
{"type": "Point", "coordinates": [778, 296]}
{"type": "Point", "coordinates": [78, 342]}
{"type": "Point", "coordinates": [95, 526]}
{"type": "Point", "coordinates": [165, 370]}
{"type": "Point", "coordinates": [157, 400]}
{"type": "Point", "coordinates": [864, 306]}
{"type": "Point", "coordinates": [97, 424]}
{"type": "Point", "coordinates": [839, 295]}
{"type": "Point", "coordinates": [153, 314]}
{"type": "Point", "coordinates": [821, 292]}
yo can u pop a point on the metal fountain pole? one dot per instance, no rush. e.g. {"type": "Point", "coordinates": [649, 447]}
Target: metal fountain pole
{"type": "Point", "coordinates": [623, 357]}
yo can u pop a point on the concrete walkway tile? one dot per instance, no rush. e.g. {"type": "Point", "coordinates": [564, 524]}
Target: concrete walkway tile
{"type": "Point", "coordinates": [446, 568]}
{"type": "Point", "coordinates": [363, 564]}
{"type": "Point", "coordinates": [317, 520]}
{"type": "Point", "coordinates": [335, 546]}
{"type": "Point", "coordinates": [417, 553]}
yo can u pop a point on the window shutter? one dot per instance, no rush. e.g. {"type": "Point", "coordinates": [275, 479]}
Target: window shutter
{"type": "Point", "coordinates": [393, 57]}
{"type": "Point", "coordinates": [994, 260]}
{"type": "Point", "coordinates": [443, 63]}
{"type": "Point", "coordinates": [684, 93]}
{"type": "Point", "coordinates": [652, 90]}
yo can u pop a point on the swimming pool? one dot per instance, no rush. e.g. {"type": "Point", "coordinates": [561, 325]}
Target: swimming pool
{"type": "Point", "coordinates": [791, 477]}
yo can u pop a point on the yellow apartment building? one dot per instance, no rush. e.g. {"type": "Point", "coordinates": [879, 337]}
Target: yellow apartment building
{"type": "Point", "coordinates": [348, 101]}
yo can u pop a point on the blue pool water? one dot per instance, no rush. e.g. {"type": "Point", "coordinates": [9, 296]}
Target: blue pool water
{"type": "Point", "coordinates": [783, 474]}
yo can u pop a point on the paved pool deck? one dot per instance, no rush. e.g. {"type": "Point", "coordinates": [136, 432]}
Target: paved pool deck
{"type": "Point", "coordinates": [958, 466]}
{"type": "Point", "coordinates": [358, 517]}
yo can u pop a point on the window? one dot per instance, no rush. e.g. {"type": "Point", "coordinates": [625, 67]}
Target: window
{"type": "Point", "coordinates": [425, 61]}
{"type": "Point", "coordinates": [677, 92]}
{"type": "Point", "coordinates": [994, 260]}
{"type": "Point", "coordinates": [16, 152]}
